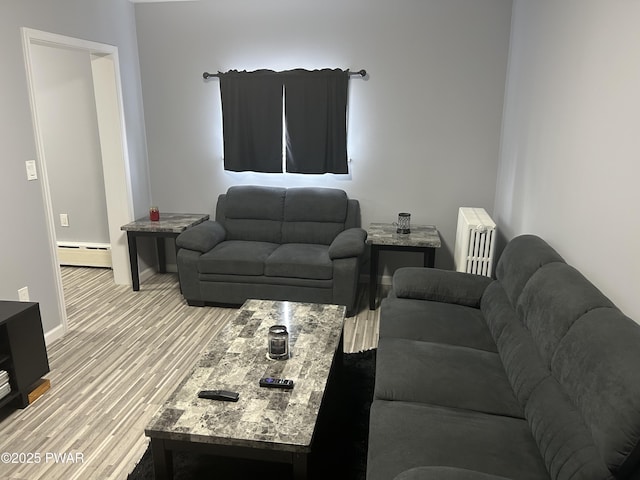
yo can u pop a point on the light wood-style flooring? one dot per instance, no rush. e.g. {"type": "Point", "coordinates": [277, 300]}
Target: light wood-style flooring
{"type": "Point", "coordinates": [122, 356]}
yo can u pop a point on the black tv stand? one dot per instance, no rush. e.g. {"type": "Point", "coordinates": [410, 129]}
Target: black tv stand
{"type": "Point", "coordinates": [23, 353]}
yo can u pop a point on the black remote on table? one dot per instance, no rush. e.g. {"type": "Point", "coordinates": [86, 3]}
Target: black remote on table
{"type": "Point", "coordinates": [224, 395]}
{"type": "Point", "coordinates": [271, 382]}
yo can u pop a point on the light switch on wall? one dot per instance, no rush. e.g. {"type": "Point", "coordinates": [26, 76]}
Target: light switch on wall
{"type": "Point", "coordinates": [64, 219]}
{"type": "Point", "coordinates": [32, 172]}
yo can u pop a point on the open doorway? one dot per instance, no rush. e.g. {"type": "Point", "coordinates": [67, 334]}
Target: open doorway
{"type": "Point", "coordinates": [40, 48]}
{"type": "Point", "coordinates": [66, 106]}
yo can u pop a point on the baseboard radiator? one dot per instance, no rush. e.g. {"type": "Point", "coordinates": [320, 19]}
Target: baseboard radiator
{"type": "Point", "coordinates": [81, 254]}
{"type": "Point", "coordinates": [475, 242]}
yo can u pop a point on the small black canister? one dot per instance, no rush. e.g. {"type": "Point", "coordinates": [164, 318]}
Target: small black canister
{"type": "Point", "coordinates": [278, 342]}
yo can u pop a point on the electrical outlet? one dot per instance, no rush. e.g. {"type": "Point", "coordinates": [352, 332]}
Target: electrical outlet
{"type": "Point", "coordinates": [23, 294]}
{"type": "Point", "coordinates": [64, 219]}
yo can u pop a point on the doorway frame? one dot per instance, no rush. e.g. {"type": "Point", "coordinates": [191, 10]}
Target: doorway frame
{"type": "Point", "coordinates": [107, 84]}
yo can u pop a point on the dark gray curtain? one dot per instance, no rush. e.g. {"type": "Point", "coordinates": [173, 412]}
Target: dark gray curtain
{"type": "Point", "coordinates": [252, 120]}
{"type": "Point", "coordinates": [316, 120]}
{"type": "Point", "coordinates": [315, 115]}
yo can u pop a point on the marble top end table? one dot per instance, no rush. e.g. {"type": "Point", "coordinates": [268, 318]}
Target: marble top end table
{"type": "Point", "coordinates": [383, 236]}
{"type": "Point", "coordinates": [170, 225]}
{"type": "Point", "coordinates": [267, 424]}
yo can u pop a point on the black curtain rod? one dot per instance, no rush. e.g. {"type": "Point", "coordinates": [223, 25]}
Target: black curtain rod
{"type": "Point", "coordinates": [207, 75]}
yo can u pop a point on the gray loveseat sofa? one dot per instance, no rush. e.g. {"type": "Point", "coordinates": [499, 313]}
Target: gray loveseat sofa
{"type": "Point", "coordinates": [535, 375]}
{"type": "Point", "coordinates": [297, 244]}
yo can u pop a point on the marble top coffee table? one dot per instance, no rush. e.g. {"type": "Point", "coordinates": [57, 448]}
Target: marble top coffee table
{"type": "Point", "coordinates": [265, 423]}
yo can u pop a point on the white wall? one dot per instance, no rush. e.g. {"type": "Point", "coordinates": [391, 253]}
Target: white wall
{"type": "Point", "coordinates": [423, 128]}
{"type": "Point", "coordinates": [67, 114]}
{"type": "Point", "coordinates": [25, 258]}
{"type": "Point", "coordinates": [569, 164]}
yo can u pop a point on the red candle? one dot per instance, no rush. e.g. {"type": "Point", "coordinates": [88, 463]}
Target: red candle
{"type": "Point", "coordinates": [154, 214]}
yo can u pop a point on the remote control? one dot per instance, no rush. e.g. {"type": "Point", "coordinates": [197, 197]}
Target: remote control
{"type": "Point", "coordinates": [224, 395]}
{"type": "Point", "coordinates": [271, 382]}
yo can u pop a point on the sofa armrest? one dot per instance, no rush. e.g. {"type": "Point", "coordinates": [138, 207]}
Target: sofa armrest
{"type": "Point", "coordinates": [348, 243]}
{"type": "Point", "coordinates": [440, 285]}
{"type": "Point", "coordinates": [445, 473]}
{"type": "Point", "coordinates": [202, 237]}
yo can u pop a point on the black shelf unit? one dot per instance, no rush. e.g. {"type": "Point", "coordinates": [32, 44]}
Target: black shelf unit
{"type": "Point", "coordinates": [23, 353]}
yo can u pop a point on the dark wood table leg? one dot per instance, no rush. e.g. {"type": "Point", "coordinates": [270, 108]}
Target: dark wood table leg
{"type": "Point", "coordinates": [162, 256]}
{"type": "Point", "coordinates": [373, 277]}
{"type": "Point", "coordinates": [179, 281]}
{"type": "Point", "coordinates": [300, 466]}
{"type": "Point", "coordinates": [429, 257]}
{"type": "Point", "coordinates": [162, 460]}
{"type": "Point", "coordinates": [133, 260]}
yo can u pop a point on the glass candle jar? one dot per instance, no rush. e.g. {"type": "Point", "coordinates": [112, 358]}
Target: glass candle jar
{"type": "Point", "coordinates": [404, 223]}
{"type": "Point", "coordinates": [154, 214]}
{"type": "Point", "coordinates": [278, 342]}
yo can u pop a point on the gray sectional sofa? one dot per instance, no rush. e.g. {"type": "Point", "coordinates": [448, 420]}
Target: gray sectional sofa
{"type": "Point", "coordinates": [534, 375]}
{"type": "Point", "coordinates": [298, 244]}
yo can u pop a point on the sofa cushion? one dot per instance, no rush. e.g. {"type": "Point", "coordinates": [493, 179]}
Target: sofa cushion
{"type": "Point", "coordinates": [313, 215]}
{"type": "Point", "coordinates": [562, 437]}
{"type": "Point", "coordinates": [253, 213]}
{"type": "Point", "coordinates": [445, 375]}
{"type": "Point", "coordinates": [264, 280]}
{"type": "Point", "coordinates": [439, 285]}
{"type": "Point", "coordinates": [316, 205]}
{"type": "Point", "coordinates": [597, 363]}
{"type": "Point", "coordinates": [253, 201]}
{"type": "Point", "coordinates": [434, 322]}
{"type": "Point", "coordinates": [518, 351]}
{"type": "Point", "coordinates": [406, 435]}
{"type": "Point", "coordinates": [445, 473]}
{"type": "Point", "coordinates": [253, 230]}
{"type": "Point", "coordinates": [553, 299]}
{"type": "Point", "coordinates": [300, 260]}
{"type": "Point", "coordinates": [521, 258]}
{"type": "Point", "coordinates": [236, 257]}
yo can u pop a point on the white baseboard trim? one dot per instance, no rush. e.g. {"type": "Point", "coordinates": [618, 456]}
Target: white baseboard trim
{"type": "Point", "coordinates": [146, 274]}
{"type": "Point", "coordinates": [53, 335]}
{"type": "Point", "coordinates": [151, 271]}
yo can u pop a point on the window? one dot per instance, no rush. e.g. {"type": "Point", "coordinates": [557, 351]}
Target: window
{"type": "Point", "coordinates": [314, 107]}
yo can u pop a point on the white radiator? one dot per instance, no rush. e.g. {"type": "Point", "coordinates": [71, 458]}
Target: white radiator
{"type": "Point", "coordinates": [475, 242]}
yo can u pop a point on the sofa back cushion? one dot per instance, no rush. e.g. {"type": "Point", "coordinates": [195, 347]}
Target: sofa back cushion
{"type": "Point", "coordinates": [314, 215]}
{"type": "Point", "coordinates": [565, 443]}
{"type": "Point", "coordinates": [573, 361]}
{"type": "Point", "coordinates": [597, 363]}
{"type": "Point", "coordinates": [253, 213]}
{"type": "Point", "coordinates": [521, 258]}
{"type": "Point", "coordinates": [518, 352]}
{"type": "Point", "coordinates": [552, 300]}
{"type": "Point", "coordinates": [585, 417]}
